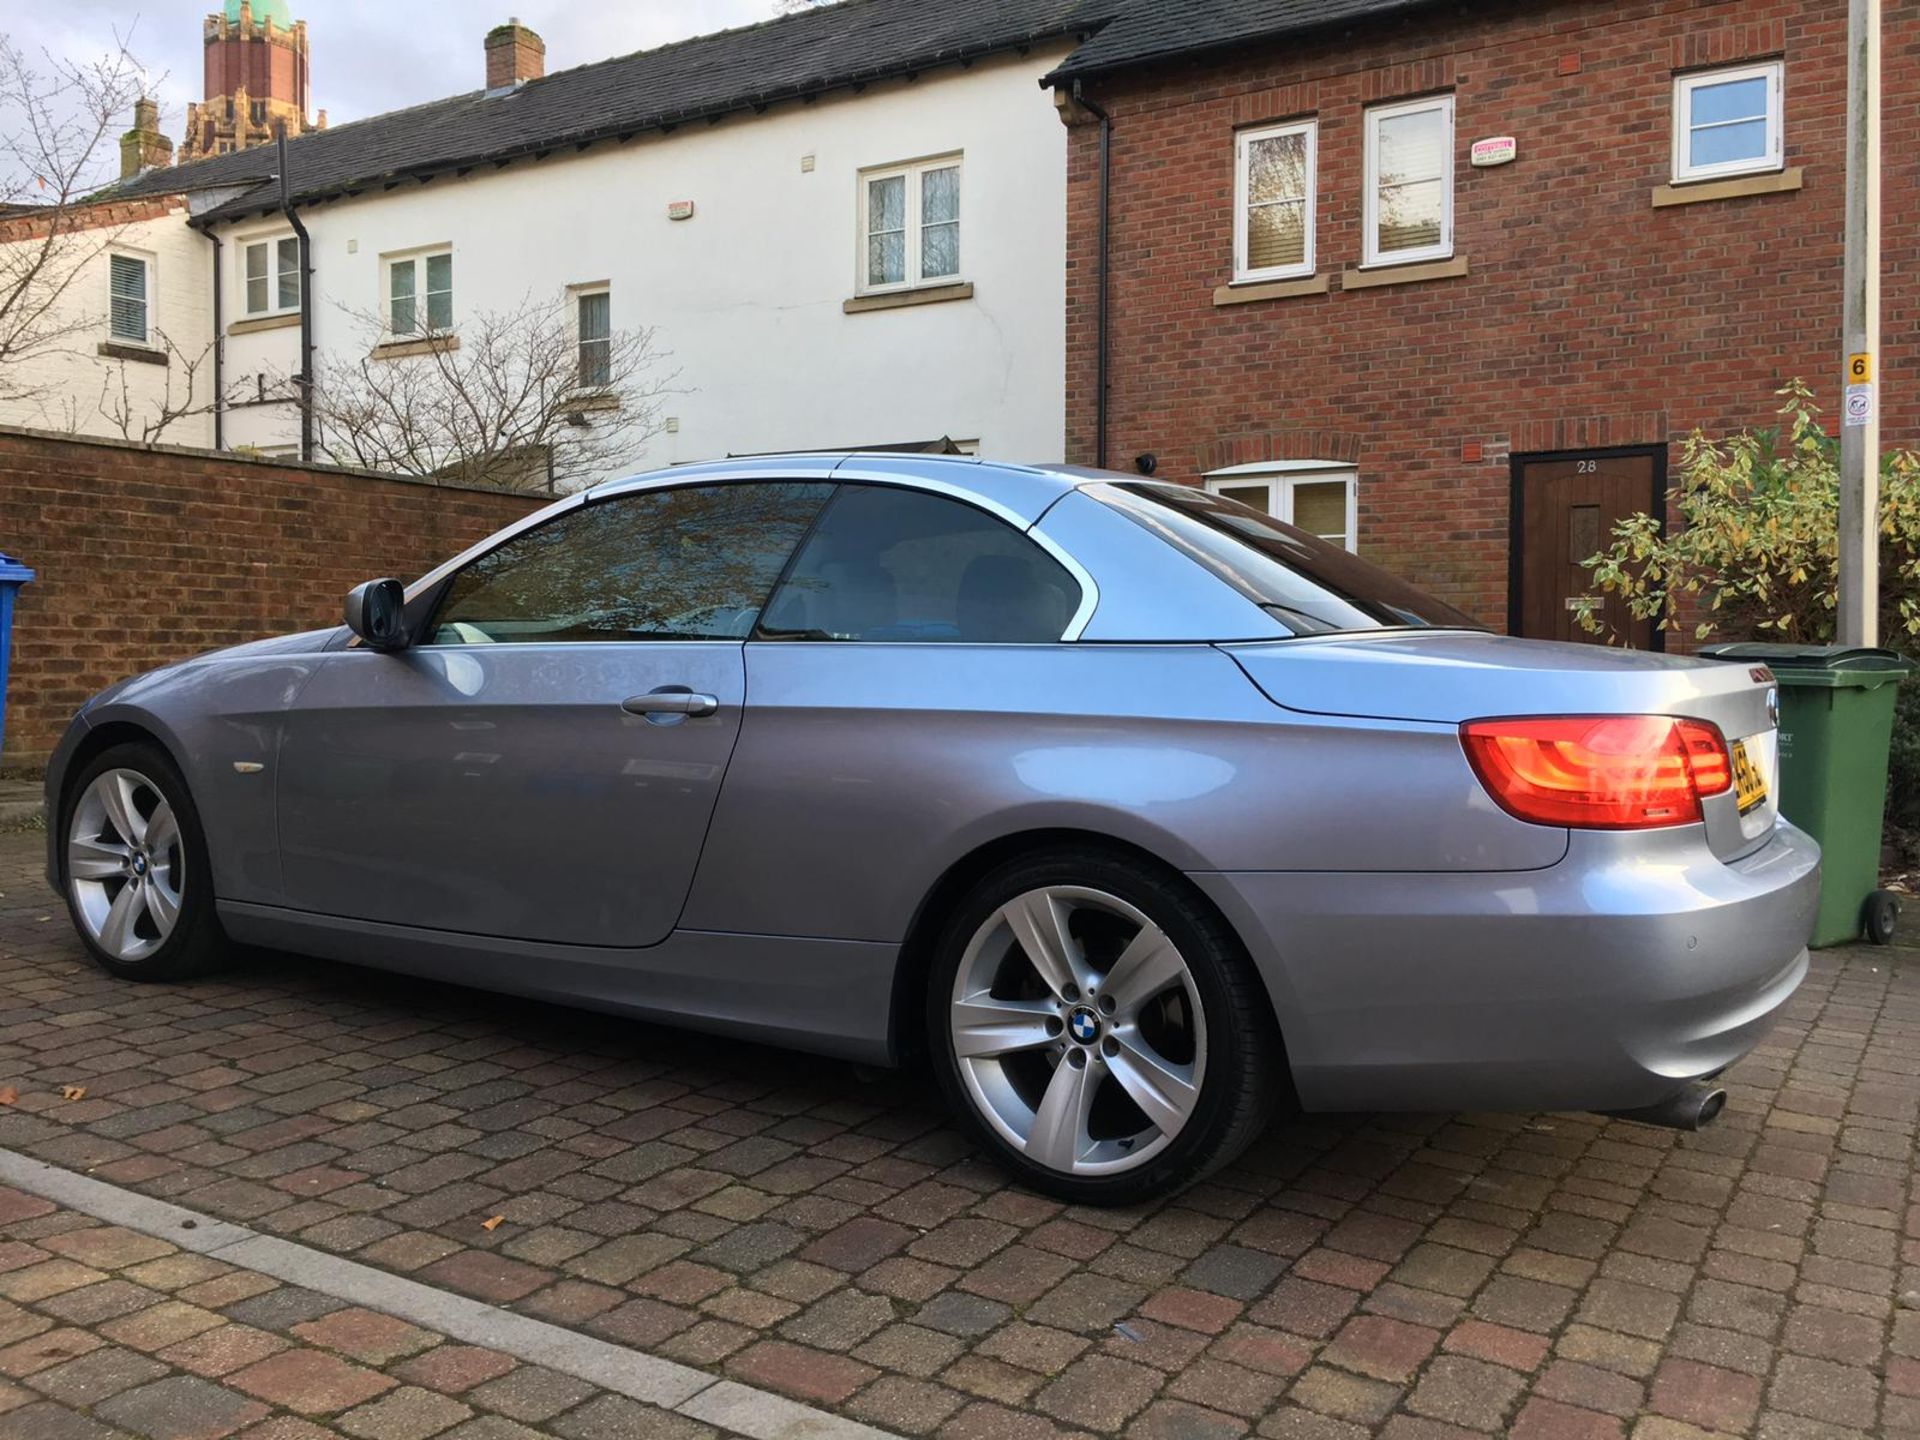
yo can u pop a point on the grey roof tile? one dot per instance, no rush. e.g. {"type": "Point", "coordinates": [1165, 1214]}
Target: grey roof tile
{"type": "Point", "coordinates": [1143, 32]}
{"type": "Point", "coordinates": [708, 76]}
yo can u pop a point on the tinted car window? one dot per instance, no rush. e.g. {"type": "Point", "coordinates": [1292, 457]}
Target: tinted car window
{"type": "Point", "coordinates": [685, 564]}
{"type": "Point", "coordinates": [1307, 584]}
{"type": "Point", "coordinates": [903, 565]}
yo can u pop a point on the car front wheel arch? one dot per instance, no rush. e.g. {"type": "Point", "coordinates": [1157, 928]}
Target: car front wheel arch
{"type": "Point", "coordinates": [104, 737]}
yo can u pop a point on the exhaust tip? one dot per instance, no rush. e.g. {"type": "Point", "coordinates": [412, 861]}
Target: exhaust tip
{"type": "Point", "coordinates": [1711, 1104]}
{"type": "Point", "coordinates": [1694, 1108]}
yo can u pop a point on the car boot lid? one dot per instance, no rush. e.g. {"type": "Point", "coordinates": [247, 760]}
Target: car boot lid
{"type": "Point", "coordinates": [1448, 677]}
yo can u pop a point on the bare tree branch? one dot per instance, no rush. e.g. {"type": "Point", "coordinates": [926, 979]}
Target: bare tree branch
{"type": "Point", "coordinates": [57, 120]}
{"type": "Point", "coordinates": [499, 404]}
{"type": "Point", "coordinates": [148, 421]}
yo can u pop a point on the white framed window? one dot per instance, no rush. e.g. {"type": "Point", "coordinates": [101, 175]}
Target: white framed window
{"type": "Point", "coordinates": [1321, 497]}
{"type": "Point", "coordinates": [419, 289]}
{"type": "Point", "coordinates": [593, 324]}
{"type": "Point", "coordinates": [910, 225]}
{"type": "Point", "coordinates": [129, 297]}
{"type": "Point", "coordinates": [270, 275]}
{"type": "Point", "coordinates": [1409, 199]}
{"type": "Point", "coordinates": [1729, 122]}
{"type": "Point", "coordinates": [1274, 198]}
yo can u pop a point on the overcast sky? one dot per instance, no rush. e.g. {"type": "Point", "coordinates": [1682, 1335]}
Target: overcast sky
{"type": "Point", "coordinates": [370, 55]}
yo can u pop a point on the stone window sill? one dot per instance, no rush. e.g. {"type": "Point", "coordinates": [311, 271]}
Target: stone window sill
{"type": "Point", "coordinates": [589, 401]}
{"type": "Point", "coordinates": [900, 299]}
{"type": "Point", "coordinates": [139, 354]}
{"type": "Point", "coordinates": [264, 322]}
{"type": "Point", "coordinates": [1247, 292]}
{"type": "Point", "coordinates": [426, 345]}
{"type": "Point", "coordinates": [1366, 279]}
{"type": "Point", "coordinates": [1700, 191]}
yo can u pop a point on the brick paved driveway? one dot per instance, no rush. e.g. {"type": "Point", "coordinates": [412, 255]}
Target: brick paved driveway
{"type": "Point", "coordinates": [107, 1332]}
{"type": "Point", "coordinates": [795, 1225]}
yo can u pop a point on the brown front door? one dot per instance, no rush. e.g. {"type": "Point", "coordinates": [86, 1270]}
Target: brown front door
{"type": "Point", "coordinates": [1566, 509]}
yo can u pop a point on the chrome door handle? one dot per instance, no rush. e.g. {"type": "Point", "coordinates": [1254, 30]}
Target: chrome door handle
{"type": "Point", "coordinates": [670, 702]}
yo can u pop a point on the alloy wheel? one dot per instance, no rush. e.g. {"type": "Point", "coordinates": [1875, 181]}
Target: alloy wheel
{"type": "Point", "coordinates": [1078, 1031]}
{"type": "Point", "coordinates": [126, 864]}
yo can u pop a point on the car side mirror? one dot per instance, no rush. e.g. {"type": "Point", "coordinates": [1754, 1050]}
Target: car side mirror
{"type": "Point", "coordinates": [377, 613]}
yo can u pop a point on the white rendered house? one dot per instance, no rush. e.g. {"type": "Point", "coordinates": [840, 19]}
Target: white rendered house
{"type": "Point", "coordinates": [845, 228]}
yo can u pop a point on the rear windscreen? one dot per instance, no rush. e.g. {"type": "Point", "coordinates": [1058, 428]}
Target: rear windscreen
{"type": "Point", "coordinates": [1309, 585]}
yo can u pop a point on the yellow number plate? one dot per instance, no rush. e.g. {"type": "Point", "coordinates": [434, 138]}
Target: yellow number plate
{"type": "Point", "coordinates": [1749, 782]}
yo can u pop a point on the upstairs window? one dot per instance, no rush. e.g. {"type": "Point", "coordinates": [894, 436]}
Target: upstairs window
{"type": "Point", "coordinates": [1729, 122]}
{"type": "Point", "coordinates": [1273, 202]}
{"type": "Point", "coordinates": [594, 319]}
{"type": "Point", "coordinates": [1409, 199]}
{"type": "Point", "coordinates": [910, 225]}
{"type": "Point", "coordinates": [128, 294]}
{"type": "Point", "coordinates": [272, 275]}
{"type": "Point", "coordinates": [420, 293]}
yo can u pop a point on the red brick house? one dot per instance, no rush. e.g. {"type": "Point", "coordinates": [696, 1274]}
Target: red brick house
{"type": "Point", "coordinates": [1452, 282]}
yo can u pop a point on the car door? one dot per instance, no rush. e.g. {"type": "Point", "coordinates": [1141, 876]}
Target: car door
{"type": "Point", "coordinates": [542, 763]}
{"type": "Point", "coordinates": [913, 653]}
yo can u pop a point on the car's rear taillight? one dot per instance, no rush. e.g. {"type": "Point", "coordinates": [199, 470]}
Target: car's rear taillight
{"type": "Point", "coordinates": [1600, 772]}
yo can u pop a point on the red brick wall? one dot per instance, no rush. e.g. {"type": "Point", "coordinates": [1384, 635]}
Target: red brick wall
{"type": "Point", "coordinates": [1589, 318]}
{"type": "Point", "coordinates": [149, 556]}
{"type": "Point", "coordinates": [102, 215]}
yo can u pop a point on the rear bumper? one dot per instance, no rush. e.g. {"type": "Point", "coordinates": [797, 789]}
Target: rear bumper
{"type": "Point", "coordinates": [1609, 981]}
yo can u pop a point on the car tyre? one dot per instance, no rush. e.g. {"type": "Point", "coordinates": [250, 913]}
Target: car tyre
{"type": "Point", "coordinates": [134, 870]}
{"type": "Point", "coordinates": [1182, 1036]}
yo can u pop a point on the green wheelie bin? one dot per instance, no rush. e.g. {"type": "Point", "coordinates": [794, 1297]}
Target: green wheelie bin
{"type": "Point", "coordinates": [1836, 726]}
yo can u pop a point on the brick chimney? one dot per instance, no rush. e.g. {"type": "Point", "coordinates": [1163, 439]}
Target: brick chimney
{"type": "Point", "coordinates": [514, 55]}
{"type": "Point", "coordinates": [143, 147]}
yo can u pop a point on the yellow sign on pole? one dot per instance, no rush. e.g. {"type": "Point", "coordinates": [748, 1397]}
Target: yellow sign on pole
{"type": "Point", "coordinates": [1860, 369]}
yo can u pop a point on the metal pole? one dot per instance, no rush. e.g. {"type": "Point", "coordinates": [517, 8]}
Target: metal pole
{"type": "Point", "coordinates": [1857, 621]}
{"type": "Point", "coordinates": [219, 350]}
{"type": "Point", "coordinates": [1100, 309]}
{"type": "Point", "coordinates": [304, 380]}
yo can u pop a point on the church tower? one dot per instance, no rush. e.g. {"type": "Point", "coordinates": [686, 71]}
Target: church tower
{"type": "Point", "coordinates": [256, 80]}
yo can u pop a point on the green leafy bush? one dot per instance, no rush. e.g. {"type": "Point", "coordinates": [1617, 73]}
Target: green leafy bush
{"type": "Point", "coordinates": [1750, 544]}
{"type": "Point", "coordinates": [1750, 549]}
{"type": "Point", "coordinates": [1903, 763]}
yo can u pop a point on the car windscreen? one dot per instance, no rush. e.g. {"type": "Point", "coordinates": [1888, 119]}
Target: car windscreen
{"type": "Point", "coordinates": [1310, 585]}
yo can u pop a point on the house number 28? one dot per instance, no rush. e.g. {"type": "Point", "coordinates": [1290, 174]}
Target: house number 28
{"type": "Point", "coordinates": [1587, 467]}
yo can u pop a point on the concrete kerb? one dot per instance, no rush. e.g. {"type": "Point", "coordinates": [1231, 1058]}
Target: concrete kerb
{"type": "Point", "coordinates": [741, 1409]}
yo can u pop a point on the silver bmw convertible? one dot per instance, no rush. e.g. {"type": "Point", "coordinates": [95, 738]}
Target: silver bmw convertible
{"type": "Point", "coordinates": [1132, 810]}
